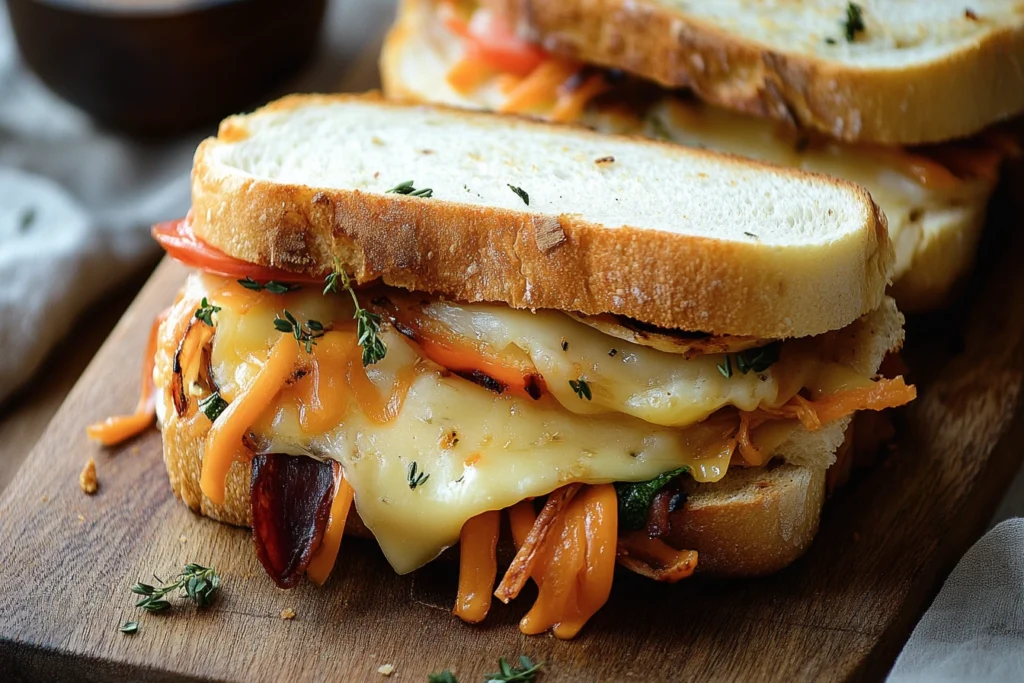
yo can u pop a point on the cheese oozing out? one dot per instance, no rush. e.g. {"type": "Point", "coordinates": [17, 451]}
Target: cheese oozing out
{"type": "Point", "coordinates": [651, 411]}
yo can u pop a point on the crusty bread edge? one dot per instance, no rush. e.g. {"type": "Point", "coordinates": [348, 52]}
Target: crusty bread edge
{"type": "Point", "coordinates": [475, 253]}
{"type": "Point", "coordinates": [879, 105]}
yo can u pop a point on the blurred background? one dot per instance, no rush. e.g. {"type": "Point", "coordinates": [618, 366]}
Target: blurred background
{"type": "Point", "coordinates": [102, 103]}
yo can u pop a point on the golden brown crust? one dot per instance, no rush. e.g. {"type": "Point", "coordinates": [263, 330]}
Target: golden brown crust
{"type": "Point", "coordinates": [882, 105]}
{"type": "Point", "coordinates": [755, 521]}
{"type": "Point", "coordinates": [476, 253]}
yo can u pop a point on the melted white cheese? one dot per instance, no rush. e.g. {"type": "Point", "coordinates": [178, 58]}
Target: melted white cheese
{"type": "Point", "coordinates": [658, 387]}
{"type": "Point", "coordinates": [484, 451]}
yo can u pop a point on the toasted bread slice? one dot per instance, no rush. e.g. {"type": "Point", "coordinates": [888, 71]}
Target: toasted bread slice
{"type": "Point", "coordinates": [534, 215]}
{"type": "Point", "coordinates": [934, 226]}
{"type": "Point", "coordinates": [905, 73]}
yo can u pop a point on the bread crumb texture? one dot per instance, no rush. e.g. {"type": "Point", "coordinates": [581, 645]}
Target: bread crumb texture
{"type": "Point", "coordinates": [87, 479]}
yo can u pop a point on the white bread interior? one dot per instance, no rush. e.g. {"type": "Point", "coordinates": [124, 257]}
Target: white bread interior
{"type": "Point", "coordinates": [669, 235]}
{"type": "Point", "coordinates": [934, 231]}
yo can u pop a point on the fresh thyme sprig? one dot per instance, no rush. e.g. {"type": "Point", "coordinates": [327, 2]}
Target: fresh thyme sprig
{"type": "Point", "coordinates": [407, 189]}
{"type": "Point", "coordinates": [273, 286]}
{"type": "Point", "coordinates": [525, 672]}
{"type": "Point", "coordinates": [205, 312]}
{"type": "Point", "coordinates": [195, 582]}
{"type": "Point", "coordinates": [416, 478]}
{"type": "Point", "coordinates": [305, 334]}
{"type": "Point", "coordinates": [521, 192]}
{"type": "Point", "coordinates": [582, 388]}
{"type": "Point", "coordinates": [367, 323]}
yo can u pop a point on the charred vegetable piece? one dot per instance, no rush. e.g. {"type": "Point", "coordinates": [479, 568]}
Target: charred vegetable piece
{"type": "Point", "coordinates": [635, 498]}
{"type": "Point", "coordinates": [291, 503]}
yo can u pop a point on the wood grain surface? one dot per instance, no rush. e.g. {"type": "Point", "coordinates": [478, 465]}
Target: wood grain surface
{"type": "Point", "coordinates": [840, 613]}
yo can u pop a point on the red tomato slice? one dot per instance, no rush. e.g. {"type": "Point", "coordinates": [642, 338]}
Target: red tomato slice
{"type": "Point", "coordinates": [178, 240]}
{"type": "Point", "coordinates": [491, 40]}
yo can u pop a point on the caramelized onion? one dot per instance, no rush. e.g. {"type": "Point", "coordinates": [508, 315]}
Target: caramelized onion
{"type": "Point", "coordinates": [687, 344]}
{"type": "Point", "coordinates": [188, 361]}
{"type": "Point", "coordinates": [522, 564]}
{"type": "Point", "coordinates": [655, 559]}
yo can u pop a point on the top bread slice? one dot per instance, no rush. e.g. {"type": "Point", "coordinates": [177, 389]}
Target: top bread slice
{"type": "Point", "coordinates": [917, 72]}
{"type": "Point", "coordinates": [540, 216]}
{"type": "Point", "coordinates": [934, 227]}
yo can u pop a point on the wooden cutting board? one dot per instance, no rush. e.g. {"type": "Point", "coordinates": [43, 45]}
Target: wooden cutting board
{"type": "Point", "coordinates": [840, 613]}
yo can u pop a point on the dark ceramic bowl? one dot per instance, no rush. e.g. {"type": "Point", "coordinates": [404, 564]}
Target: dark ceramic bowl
{"type": "Point", "coordinates": [157, 67]}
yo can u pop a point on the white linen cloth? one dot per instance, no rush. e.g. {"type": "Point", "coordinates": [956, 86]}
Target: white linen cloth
{"type": "Point", "coordinates": [75, 206]}
{"type": "Point", "coordinates": [974, 630]}
{"type": "Point", "coordinates": [77, 201]}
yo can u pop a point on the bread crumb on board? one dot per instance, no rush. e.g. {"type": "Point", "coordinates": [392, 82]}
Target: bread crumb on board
{"type": "Point", "coordinates": [87, 479]}
{"type": "Point", "coordinates": [287, 614]}
{"type": "Point", "coordinates": [386, 669]}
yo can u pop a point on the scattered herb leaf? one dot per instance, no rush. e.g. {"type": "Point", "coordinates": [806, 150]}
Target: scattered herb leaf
{"type": "Point", "coordinates": [129, 627]}
{"type": "Point", "coordinates": [854, 23]}
{"type": "Point", "coordinates": [305, 334]}
{"type": "Point", "coordinates": [272, 286]}
{"type": "Point", "coordinates": [582, 388]}
{"type": "Point", "coordinates": [195, 582]}
{"type": "Point", "coordinates": [525, 672]}
{"type": "Point", "coordinates": [751, 360]}
{"type": "Point", "coordinates": [212, 406]}
{"type": "Point", "coordinates": [521, 192]}
{"type": "Point", "coordinates": [407, 189]}
{"type": "Point", "coordinates": [205, 312]}
{"type": "Point", "coordinates": [445, 676]}
{"type": "Point", "coordinates": [759, 359]}
{"type": "Point", "coordinates": [416, 478]}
